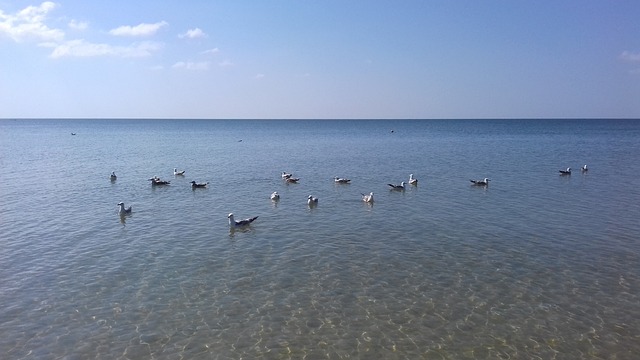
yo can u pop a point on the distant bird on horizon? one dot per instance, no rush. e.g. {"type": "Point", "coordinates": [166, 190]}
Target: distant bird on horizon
{"type": "Point", "coordinates": [122, 210]}
{"type": "Point", "coordinates": [565, 172]}
{"type": "Point", "coordinates": [240, 223]}
{"type": "Point", "coordinates": [176, 172]}
{"type": "Point", "coordinates": [195, 185]}
{"type": "Point", "coordinates": [341, 180]}
{"type": "Point", "coordinates": [483, 182]}
{"type": "Point", "coordinates": [367, 198]}
{"type": "Point", "coordinates": [412, 180]}
{"type": "Point", "coordinates": [275, 196]}
{"type": "Point", "coordinates": [397, 187]}
{"type": "Point", "coordinates": [312, 201]}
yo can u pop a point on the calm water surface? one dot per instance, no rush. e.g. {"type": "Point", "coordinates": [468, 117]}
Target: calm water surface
{"type": "Point", "coordinates": [535, 265]}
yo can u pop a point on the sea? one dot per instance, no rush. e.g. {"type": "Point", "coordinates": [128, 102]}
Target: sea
{"type": "Point", "coordinates": [535, 265]}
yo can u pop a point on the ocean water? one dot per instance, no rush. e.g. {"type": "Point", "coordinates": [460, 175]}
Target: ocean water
{"type": "Point", "coordinates": [533, 266]}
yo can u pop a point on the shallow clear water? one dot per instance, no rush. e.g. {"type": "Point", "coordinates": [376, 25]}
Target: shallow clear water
{"type": "Point", "coordinates": [535, 265]}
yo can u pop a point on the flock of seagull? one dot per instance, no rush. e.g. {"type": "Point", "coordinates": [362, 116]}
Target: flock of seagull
{"type": "Point", "coordinates": [290, 179]}
{"type": "Point", "coordinates": [567, 171]}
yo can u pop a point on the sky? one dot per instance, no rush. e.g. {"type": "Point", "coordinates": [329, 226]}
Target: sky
{"type": "Point", "coordinates": [330, 59]}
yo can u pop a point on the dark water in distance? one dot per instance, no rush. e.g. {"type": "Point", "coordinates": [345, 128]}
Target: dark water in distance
{"type": "Point", "coordinates": [536, 265]}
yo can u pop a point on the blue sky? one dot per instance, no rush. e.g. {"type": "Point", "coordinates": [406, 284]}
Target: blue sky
{"type": "Point", "coordinates": [320, 59]}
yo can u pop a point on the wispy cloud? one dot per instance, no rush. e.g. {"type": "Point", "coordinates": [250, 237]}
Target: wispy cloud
{"type": "Point", "coordinates": [211, 51]}
{"type": "Point", "coordinates": [188, 65]}
{"type": "Point", "coordinates": [140, 30]}
{"type": "Point", "coordinates": [260, 76]}
{"type": "Point", "coordinates": [226, 63]}
{"type": "Point", "coordinates": [28, 24]}
{"type": "Point", "coordinates": [82, 48]}
{"type": "Point", "coordinates": [193, 34]}
{"type": "Point", "coordinates": [78, 25]}
{"type": "Point", "coordinates": [630, 56]}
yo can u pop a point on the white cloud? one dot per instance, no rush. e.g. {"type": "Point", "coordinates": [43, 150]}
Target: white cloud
{"type": "Point", "coordinates": [211, 51]}
{"type": "Point", "coordinates": [28, 24]}
{"type": "Point", "coordinates": [629, 56]}
{"type": "Point", "coordinates": [188, 65]}
{"type": "Point", "coordinates": [138, 30]}
{"type": "Point", "coordinates": [82, 48]}
{"type": "Point", "coordinates": [77, 25]}
{"type": "Point", "coordinates": [193, 34]}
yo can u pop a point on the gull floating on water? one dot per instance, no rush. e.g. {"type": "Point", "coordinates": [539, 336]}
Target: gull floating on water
{"type": "Point", "coordinates": [412, 180]}
{"type": "Point", "coordinates": [311, 201]}
{"type": "Point", "coordinates": [286, 175]}
{"type": "Point", "coordinates": [113, 176]}
{"type": "Point", "coordinates": [565, 172]}
{"type": "Point", "coordinates": [245, 222]}
{"type": "Point", "coordinates": [367, 198]}
{"type": "Point", "coordinates": [397, 187]}
{"type": "Point", "coordinates": [176, 172]}
{"type": "Point", "coordinates": [292, 180]}
{"type": "Point", "coordinates": [196, 185]}
{"type": "Point", "coordinates": [156, 181]}
{"type": "Point", "coordinates": [584, 168]}
{"type": "Point", "coordinates": [275, 196]}
{"type": "Point", "coordinates": [123, 210]}
{"type": "Point", "coordinates": [342, 180]}
{"type": "Point", "coordinates": [483, 182]}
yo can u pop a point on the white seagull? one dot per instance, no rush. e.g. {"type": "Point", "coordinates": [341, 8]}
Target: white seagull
{"type": "Point", "coordinates": [245, 222]}
{"type": "Point", "coordinates": [565, 172]}
{"type": "Point", "coordinates": [311, 201]}
{"type": "Point", "coordinates": [275, 196]}
{"type": "Point", "coordinates": [113, 175]}
{"type": "Point", "coordinates": [412, 180]}
{"type": "Point", "coordinates": [286, 175]}
{"type": "Point", "coordinates": [123, 210]}
{"type": "Point", "coordinates": [176, 172]}
{"type": "Point", "coordinates": [341, 180]}
{"type": "Point", "coordinates": [483, 182]}
{"type": "Point", "coordinates": [584, 168]}
{"type": "Point", "coordinates": [367, 198]}
{"type": "Point", "coordinates": [397, 187]}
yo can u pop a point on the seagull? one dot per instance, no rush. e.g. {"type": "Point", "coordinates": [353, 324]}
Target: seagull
{"type": "Point", "coordinates": [565, 172]}
{"type": "Point", "coordinates": [275, 196]}
{"type": "Point", "coordinates": [156, 181]}
{"type": "Point", "coordinates": [234, 223]}
{"type": "Point", "coordinates": [286, 175]}
{"type": "Point", "coordinates": [584, 168]}
{"type": "Point", "coordinates": [123, 210]}
{"type": "Point", "coordinates": [397, 187]}
{"type": "Point", "coordinates": [312, 200]}
{"type": "Point", "coordinates": [113, 176]}
{"type": "Point", "coordinates": [412, 180]}
{"type": "Point", "coordinates": [483, 182]}
{"type": "Point", "coordinates": [176, 172]}
{"type": "Point", "coordinates": [367, 198]}
{"type": "Point", "coordinates": [292, 180]}
{"type": "Point", "coordinates": [341, 180]}
{"type": "Point", "coordinates": [196, 185]}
